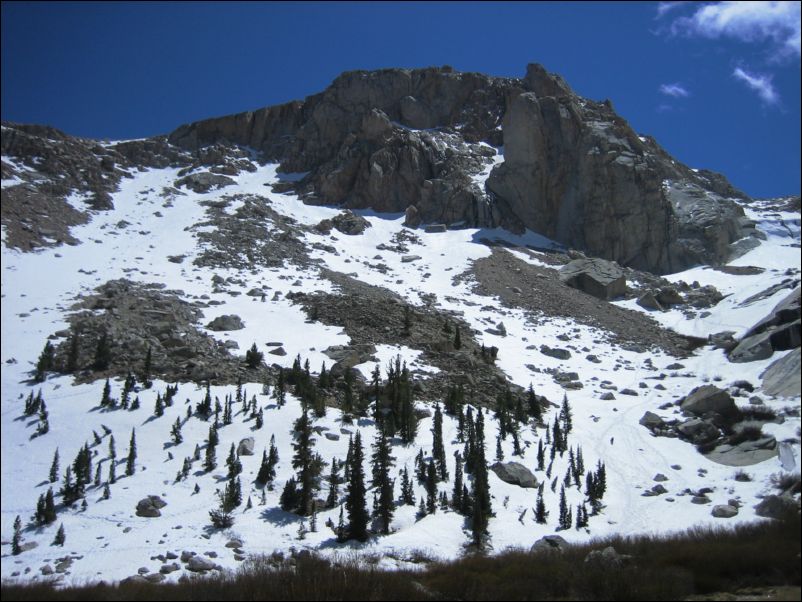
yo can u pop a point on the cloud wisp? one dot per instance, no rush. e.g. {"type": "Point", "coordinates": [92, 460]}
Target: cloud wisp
{"type": "Point", "coordinates": [760, 83]}
{"type": "Point", "coordinates": [774, 23]}
{"type": "Point", "coordinates": [675, 90]}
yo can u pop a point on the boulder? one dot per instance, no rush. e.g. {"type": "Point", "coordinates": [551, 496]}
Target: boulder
{"type": "Point", "coordinates": [745, 453]}
{"type": "Point", "coordinates": [226, 322]}
{"type": "Point", "coordinates": [246, 446]}
{"type": "Point", "coordinates": [349, 223]}
{"type": "Point", "coordinates": [608, 557]}
{"type": "Point", "coordinates": [724, 511]}
{"type": "Point", "coordinates": [698, 431]}
{"type": "Point", "coordinates": [150, 507]}
{"type": "Point", "coordinates": [549, 543]}
{"type": "Point", "coordinates": [560, 354]}
{"type": "Point", "coordinates": [668, 295]}
{"type": "Point", "coordinates": [204, 182]}
{"type": "Point", "coordinates": [515, 474]}
{"type": "Point", "coordinates": [648, 301]}
{"type": "Point", "coordinates": [199, 564]}
{"type": "Point", "coordinates": [708, 398]}
{"type": "Point", "coordinates": [597, 277]}
{"type": "Point", "coordinates": [651, 421]}
{"type": "Point", "coordinates": [782, 377]}
{"type": "Point", "coordinates": [412, 218]}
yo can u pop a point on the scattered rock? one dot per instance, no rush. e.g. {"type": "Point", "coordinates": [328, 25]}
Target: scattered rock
{"type": "Point", "coordinates": [560, 354]}
{"type": "Point", "coordinates": [598, 277]}
{"type": "Point", "coordinates": [200, 564]}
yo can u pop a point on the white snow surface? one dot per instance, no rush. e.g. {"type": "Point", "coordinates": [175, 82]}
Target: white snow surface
{"type": "Point", "coordinates": [111, 543]}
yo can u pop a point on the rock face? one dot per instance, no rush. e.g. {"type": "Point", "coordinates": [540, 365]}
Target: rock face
{"type": "Point", "coordinates": [782, 377]}
{"type": "Point", "coordinates": [597, 277]}
{"type": "Point", "coordinates": [515, 473]}
{"type": "Point", "coordinates": [780, 330]}
{"type": "Point", "coordinates": [400, 140]}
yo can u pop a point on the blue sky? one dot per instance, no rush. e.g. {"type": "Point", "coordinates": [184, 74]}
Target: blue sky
{"type": "Point", "coordinates": [717, 84]}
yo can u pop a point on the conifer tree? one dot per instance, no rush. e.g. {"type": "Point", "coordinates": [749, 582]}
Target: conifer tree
{"type": "Point", "coordinates": [482, 509]}
{"type": "Point", "coordinates": [566, 416]}
{"type": "Point", "coordinates": [44, 422]}
{"type": "Point", "coordinates": [541, 456]}
{"type": "Point", "coordinates": [72, 354]}
{"type": "Point", "coordinates": [334, 485]}
{"type": "Point", "coordinates": [565, 515]}
{"type": "Point", "coordinates": [16, 548]}
{"type": "Point", "coordinates": [355, 501]}
{"type": "Point", "coordinates": [499, 450]}
{"type": "Point", "coordinates": [50, 507]}
{"type": "Point", "coordinates": [541, 515]}
{"type": "Point", "coordinates": [383, 461]}
{"type": "Point", "coordinates": [102, 353]}
{"type": "Point", "coordinates": [456, 495]}
{"type": "Point", "coordinates": [113, 472]}
{"type": "Point", "coordinates": [254, 357]}
{"type": "Point", "coordinates": [306, 462]}
{"type": "Point", "coordinates": [53, 477]}
{"type": "Point", "coordinates": [262, 477]}
{"type": "Point", "coordinates": [46, 362]}
{"type": "Point", "coordinates": [407, 492]}
{"type": "Point", "coordinates": [438, 449]}
{"type": "Point", "coordinates": [60, 537]}
{"type": "Point", "coordinates": [233, 463]}
{"type": "Point", "coordinates": [289, 496]}
{"type": "Point", "coordinates": [280, 389]}
{"type": "Point", "coordinates": [130, 465]}
{"type": "Point", "coordinates": [158, 409]}
{"type": "Point", "coordinates": [431, 487]}
{"type": "Point", "coordinates": [147, 368]}
{"type": "Point", "coordinates": [106, 491]}
{"type": "Point", "coordinates": [105, 400]}
{"type": "Point", "coordinates": [457, 339]}
{"type": "Point", "coordinates": [175, 432]}
{"type": "Point", "coordinates": [533, 405]}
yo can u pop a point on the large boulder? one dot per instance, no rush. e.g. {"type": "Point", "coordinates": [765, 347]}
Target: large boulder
{"type": "Point", "coordinates": [782, 377]}
{"type": "Point", "coordinates": [549, 543]}
{"type": "Point", "coordinates": [204, 182]}
{"type": "Point", "coordinates": [597, 277]}
{"type": "Point", "coordinates": [349, 223]}
{"type": "Point", "coordinates": [227, 322]}
{"type": "Point", "coordinates": [708, 398]}
{"type": "Point", "coordinates": [246, 446]}
{"type": "Point", "coordinates": [515, 474]}
{"type": "Point", "coordinates": [150, 507]}
{"type": "Point", "coordinates": [199, 564]}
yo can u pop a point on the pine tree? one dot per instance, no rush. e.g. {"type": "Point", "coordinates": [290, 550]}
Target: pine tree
{"type": "Point", "coordinates": [53, 477]}
{"type": "Point", "coordinates": [566, 417]}
{"type": "Point", "coordinates": [233, 462]}
{"type": "Point", "coordinates": [102, 353]}
{"type": "Point", "coordinates": [158, 409]}
{"type": "Point", "coordinates": [280, 389]}
{"type": "Point", "coordinates": [106, 491]}
{"type": "Point", "coordinates": [383, 461]}
{"type": "Point", "coordinates": [105, 400]}
{"type": "Point", "coordinates": [135, 403]}
{"type": "Point", "coordinates": [334, 485]}
{"type": "Point", "coordinates": [431, 487]}
{"type": "Point", "coordinates": [540, 507]}
{"type": "Point", "coordinates": [146, 369]}
{"type": "Point", "coordinates": [44, 423]}
{"type": "Point", "coordinates": [304, 461]}
{"type": "Point", "coordinates": [457, 339]}
{"type": "Point", "coordinates": [438, 449]}
{"type": "Point", "coordinates": [533, 405]}
{"type": "Point", "coordinates": [72, 354]}
{"type": "Point", "coordinates": [254, 357]}
{"type": "Point", "coordinates": [482, 509]}
{"type": "Point", "coordinates": [289, 496]}
{"type": "Point", "coordinates": [130, 465]}
{"type": "Point", "coordinates": [456, 495]}
{"type": "Point", "coordinates": [407, 492]}
{"type": "Point", "coordinates": [355, 501]}
{"type": "Point", "coordinates": [50, 507]}
{"type": "Point", "coordinates": [16, 548]}
{"type": "Point", "coordinates": [46, 362]}
{"type": "Point", "coordinates": [499, 450]}
{"type": "Point", "coordinates": [175, 432]}
{"type": "Point", "coordinates": [60, 537]}
{"type": "Point", "coordinates": [565, 515]}
{"type": "Point", "coordinates": [262, 476]}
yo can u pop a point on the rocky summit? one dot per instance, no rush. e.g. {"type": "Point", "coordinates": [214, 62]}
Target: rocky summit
{"type": "Point", "coordinates": [418, 314]}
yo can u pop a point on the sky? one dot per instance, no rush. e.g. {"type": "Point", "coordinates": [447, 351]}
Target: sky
{"type": "Point", "coordinates": [717, 84]}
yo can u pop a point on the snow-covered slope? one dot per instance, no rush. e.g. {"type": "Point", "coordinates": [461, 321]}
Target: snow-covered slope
{"type": "Point", "coordinates": [106, 540]}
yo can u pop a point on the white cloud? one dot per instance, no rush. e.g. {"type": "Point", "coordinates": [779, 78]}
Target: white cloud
{"type": "Point", "coordinates": [777, 23]}
{"type": "Point", "coordinates": [760, 84]}
{"type": "Point", "coordinates": [664, 7]}
{"type": "Point", "coordinates": [676, 90]}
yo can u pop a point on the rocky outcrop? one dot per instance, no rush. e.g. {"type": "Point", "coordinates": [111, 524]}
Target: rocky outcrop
{"type": "Point", "coordinates": [780, 330]}
{"type": "Point", "coordinates": [400, 140]}
{"type": "Point", "coordinates": [246, 446]}
{"type": "Point", "coordinates": [708, 398]}
{"type": "Point", "coordinates": [226, 322]}
{"type": "Point", "coordinates": [597, 277]}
